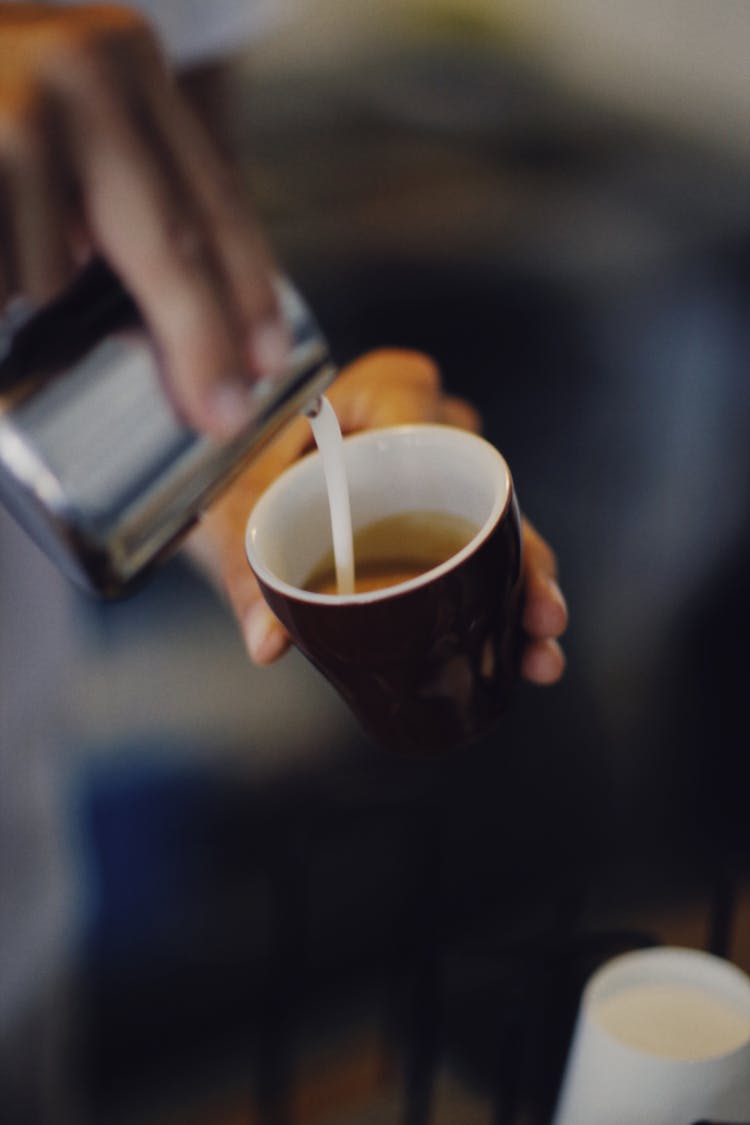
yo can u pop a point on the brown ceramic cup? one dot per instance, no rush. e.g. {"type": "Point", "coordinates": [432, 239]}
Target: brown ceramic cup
{"type": "Point", "coordinates": [426, 665]}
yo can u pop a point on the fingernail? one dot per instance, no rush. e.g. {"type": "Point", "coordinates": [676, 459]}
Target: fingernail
{"type": "Point", "coordinates": [228, 407]}
{"type": "Point", "coordinates": [269, 348]}
{"type": "Point", "coordinates": [263, 635]}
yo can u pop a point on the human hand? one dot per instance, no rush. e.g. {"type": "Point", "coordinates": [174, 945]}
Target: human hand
{"type": "Point", "coordinates": [383, 388]}
{"type": "Point", "coordinates": [99, 153]}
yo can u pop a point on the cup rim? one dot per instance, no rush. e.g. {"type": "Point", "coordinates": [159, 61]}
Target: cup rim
{"type": "Point", "coordinates": [670, 964]}
{"type": "Point", "coordinates": [495, 516]}
{"type": "Point", "coordinates": [674, 956]}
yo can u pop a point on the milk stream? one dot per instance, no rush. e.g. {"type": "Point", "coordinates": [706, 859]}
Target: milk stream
{"type": "Point", "coordinates": [327, 434]}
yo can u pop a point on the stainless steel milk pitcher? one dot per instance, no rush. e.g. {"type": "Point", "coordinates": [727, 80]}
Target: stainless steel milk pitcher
{"type": "Point", "coordinates": [94, 461]}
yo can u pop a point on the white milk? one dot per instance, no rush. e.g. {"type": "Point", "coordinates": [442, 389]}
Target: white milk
{"type": "Point", "coordinates": [327, 434]}
{"type": "Point", "coordinates": [677, 1021]}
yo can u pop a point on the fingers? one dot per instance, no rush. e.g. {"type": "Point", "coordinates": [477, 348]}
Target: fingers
{"type": "Point", "coordinates": [217, 546]}
{"type": "Point", "coordinates": [153, 196]}
{"type": "Point", "coordinates": [243, 255]}
{"type": "Point", "coordinates": [542, 662]}
{"type": "Point", "coordinates": [386, 387]}
{"type": "Point", "coordinates": [394, 386]}
{"type": "Point", "coordinates": [264, 636]}
{"type": "Point", "coordinates": [148, 218]}
{"type": "Point", "coordinates": [457, 412]}
{"type": "Point", "coordinates": [545, 614]}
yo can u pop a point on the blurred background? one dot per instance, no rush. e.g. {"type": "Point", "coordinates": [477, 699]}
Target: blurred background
{"type": "Point", "coordinates": [220, 904]}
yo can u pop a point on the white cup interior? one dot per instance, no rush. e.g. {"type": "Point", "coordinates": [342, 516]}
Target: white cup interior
{"type": "Point", "coordinates": [393, 470]}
